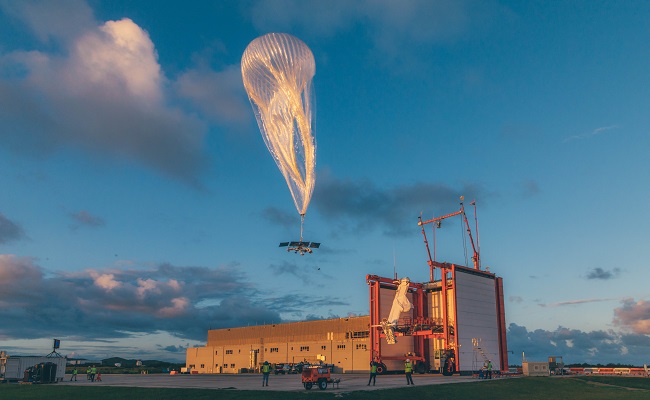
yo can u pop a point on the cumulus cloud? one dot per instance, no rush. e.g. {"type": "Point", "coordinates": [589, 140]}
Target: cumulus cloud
{"type": "Point", "coordinates": [634, 316]}
{"type": "Point", "coordinates": [577, 346]}
{"type": "Point", "coordinates": [103, 90]}
{"type": "Point", "coordinates": [9, 230]}
{"type": "Point", "coordinates": [599, 273]}
{"type": "Point", "coordinates": [358, 205]}
{"type": "Point", "coordinates": [106, 95]}
{"type": "Point", "coordinates": [116, 303]}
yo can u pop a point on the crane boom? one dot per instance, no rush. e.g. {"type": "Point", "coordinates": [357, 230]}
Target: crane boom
{"type": "Point", "coordinates": [476, 257]}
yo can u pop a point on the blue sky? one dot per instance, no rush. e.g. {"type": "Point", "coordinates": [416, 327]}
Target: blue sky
{"type": "Point", "coordinates": [140, 206]}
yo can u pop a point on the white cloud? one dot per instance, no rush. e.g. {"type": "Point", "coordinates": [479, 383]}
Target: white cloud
{"type": "Point", "coordinates": [107, 94]}
{"type": "Point", "coordinates": [118, 59]}
{"type": "Point", "coordinates": [634, 316]}
{"type": "Point", "coordinates": [105, 281]}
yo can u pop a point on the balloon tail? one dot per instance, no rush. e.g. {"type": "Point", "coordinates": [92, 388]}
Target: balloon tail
{"type": "Point", "coordinates": [302, 222]}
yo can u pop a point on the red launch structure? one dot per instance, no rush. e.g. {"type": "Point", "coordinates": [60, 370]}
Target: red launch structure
{"type": "Point", "coordinates": [449, 319]}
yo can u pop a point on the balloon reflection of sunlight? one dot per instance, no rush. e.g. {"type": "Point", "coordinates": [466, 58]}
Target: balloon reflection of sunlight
{"type": "Point", "coordinates": [277, 70]}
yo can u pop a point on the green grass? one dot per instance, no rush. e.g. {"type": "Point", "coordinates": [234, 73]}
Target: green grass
{"type": "Point", "coordinates": [544, 388]}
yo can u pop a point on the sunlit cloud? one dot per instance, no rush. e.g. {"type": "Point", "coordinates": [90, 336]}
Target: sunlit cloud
{"type": "Point", "coordinates": [107, 93]}
{"type": "Point", "coordinates": [577, 346]}
{"type": "Point", "coordinates": [634, 315]}
{"type": "Point", "coordinates": [116, 303]}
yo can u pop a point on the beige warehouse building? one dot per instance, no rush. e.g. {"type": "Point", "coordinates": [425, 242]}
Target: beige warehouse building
{"type": "Point", "coordinates": [343, 342]}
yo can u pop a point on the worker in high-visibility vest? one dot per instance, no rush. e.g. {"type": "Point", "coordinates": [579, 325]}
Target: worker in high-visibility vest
{"type": "Point", "coordinates": [373, 372]}
{"type": "Point", "coordinates": [489, 369]}
{"type": "Point", "coordinates": [408, 370]}
{"type": "Point", "coordinates": [266, 371]}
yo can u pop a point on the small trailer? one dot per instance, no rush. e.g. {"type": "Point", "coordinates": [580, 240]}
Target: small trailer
{"type": "Point", "coordinates": [40, 368]}
{"type": "Point", "coordinates": [317, 375]}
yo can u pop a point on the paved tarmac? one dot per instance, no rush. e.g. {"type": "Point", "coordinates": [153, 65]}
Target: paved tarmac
{"type": "Point", "coordinates": [292, 383]}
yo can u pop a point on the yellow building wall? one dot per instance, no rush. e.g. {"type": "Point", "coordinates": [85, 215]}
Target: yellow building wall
{"type": "Point", "coordinates": [343, 342]}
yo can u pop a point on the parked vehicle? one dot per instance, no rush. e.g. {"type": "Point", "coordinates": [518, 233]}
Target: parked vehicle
{"type": "Point", "coordinates": [317, 375]}
{"type": "Point", "coordinates": [297, 368]}
{"type": "Point", "coordinates": [281, 368]}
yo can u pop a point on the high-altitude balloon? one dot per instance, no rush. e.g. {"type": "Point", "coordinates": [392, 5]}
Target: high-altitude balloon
{"type": "Point", "coordinates": [277, 70]}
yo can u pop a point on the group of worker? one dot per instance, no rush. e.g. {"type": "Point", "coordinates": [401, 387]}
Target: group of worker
{"type": "Point", "coordinates": [408, 370]}
{"type": "Point", "coordinates": [486, 371]}
{"type": "Point", "coordinates": [91, 374]}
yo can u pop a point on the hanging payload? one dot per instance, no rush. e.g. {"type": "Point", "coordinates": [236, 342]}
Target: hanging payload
{"type": "Point", "coordinates": [401, 304]}
{"type": "Point", "coordinates": [277, 70]}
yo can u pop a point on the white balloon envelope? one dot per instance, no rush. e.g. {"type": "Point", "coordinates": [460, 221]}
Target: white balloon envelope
{"type": "Point", "coordinates": [277, 70]}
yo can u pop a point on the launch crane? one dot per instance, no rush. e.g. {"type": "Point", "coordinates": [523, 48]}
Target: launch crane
{"type": "Point", "coordinates": [476, 259]}
{"type": "Point", "coordinates": [423, 325]}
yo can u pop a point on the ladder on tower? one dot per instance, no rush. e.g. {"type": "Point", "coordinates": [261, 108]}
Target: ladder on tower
{"type": "Point", "coordinates": [477, 348]}
{"type": "Point", "coordinates": [476, 343]}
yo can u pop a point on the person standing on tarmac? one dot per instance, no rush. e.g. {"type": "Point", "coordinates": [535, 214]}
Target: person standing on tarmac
{"type": "Point", "coordinates": [266, 370]}
{"type": "Point", "coordinates": [93, 372]}
{"type": "Point", "coordinates": [373, 372]}
{"type": "Point", "coordinates": [489, 369]}
{"type": "Point", "coordinates": [74, 374]}
{"type": "Point", "coordinates": [408, 370]}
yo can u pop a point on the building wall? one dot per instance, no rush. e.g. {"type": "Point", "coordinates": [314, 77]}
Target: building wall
{"type": "Point", "coordinates": [343, 342]}
{"type": "Point", "coordinates": [535, 368]}
{"type": "Point", "coordinates": [476, 310]}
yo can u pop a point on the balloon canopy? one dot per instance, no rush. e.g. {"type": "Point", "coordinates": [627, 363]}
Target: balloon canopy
{"type": "Point", "coordinates": [277, 70]}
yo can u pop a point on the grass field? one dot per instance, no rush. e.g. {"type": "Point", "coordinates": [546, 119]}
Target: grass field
{"type": "Point", "coordinates": [591, 388]}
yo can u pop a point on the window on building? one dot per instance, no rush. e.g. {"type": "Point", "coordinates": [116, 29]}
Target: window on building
{"type": "Point", "coordinates": [192, 366]}
{"type": "Point", "coordinates": [216, 352]}
{"type": "Point", "coordinates": [228, 351]}
{"type": "Point", "coordinates": [357, 335]}
{"type": "Point", "coordinates": [216, 365]}
{"type": "Point", "coordinates": [202, 365]}
{"type": "Point", "coordinates": [341, 347]}
{"type": "Point", "coordinates": [304, 348]}
{"type": "Point", "coordinates": [274, 349]}
{"type": "Point", "coordinates": [323, 347]}
{"type": "Point", "coordinates": [361, 346]}
{"type": "Point", "coordinates": [232, 365]}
